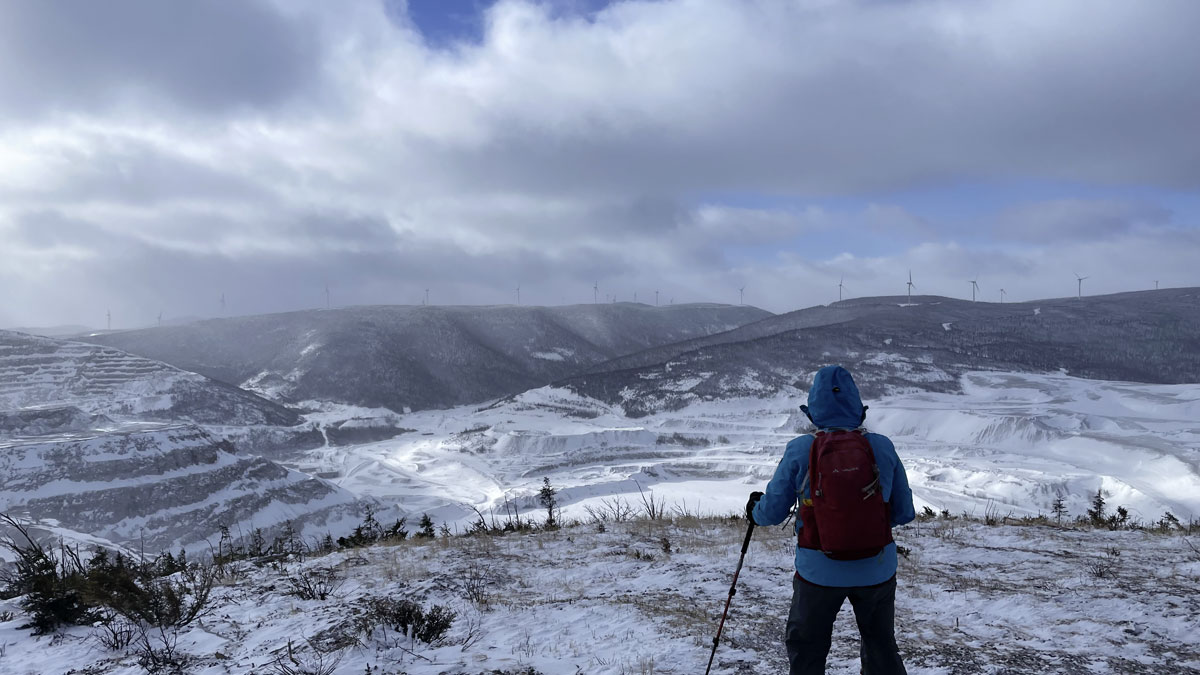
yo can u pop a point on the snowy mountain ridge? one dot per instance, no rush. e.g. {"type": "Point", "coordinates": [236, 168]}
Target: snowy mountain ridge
{"type": "Point", "coordinates": [422, 357]}
{"type": "Point", "coordinates": [158, 487]}
{"type": "Point", "coordinates": [103, 447]}
{"type": "Point", "coordinates": [895, 347]}
{"type": "Point", "coordinates": [37, 372]}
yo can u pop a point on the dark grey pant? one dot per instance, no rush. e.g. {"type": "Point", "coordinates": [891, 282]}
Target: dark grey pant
{"type": "Point", "coordinates": [810, 626]}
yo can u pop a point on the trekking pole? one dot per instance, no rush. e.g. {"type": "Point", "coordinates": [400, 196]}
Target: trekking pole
{"type": "Point", "coordinates": [732, 590]}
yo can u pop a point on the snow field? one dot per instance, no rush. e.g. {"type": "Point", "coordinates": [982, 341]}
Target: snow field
{"type": "Point", "coordinates": [1011, 443]}
{"type": "Point", "coordinates": [972, 599]}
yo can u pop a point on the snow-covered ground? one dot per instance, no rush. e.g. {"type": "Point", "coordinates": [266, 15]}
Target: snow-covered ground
{"type": "Point", "coordinates": [1010, 444]}
{"type": "Point", "coordinates": [972, 599]}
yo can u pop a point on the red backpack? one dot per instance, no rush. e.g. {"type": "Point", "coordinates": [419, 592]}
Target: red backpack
{"type": "Point", "coordinates": [846, 517]}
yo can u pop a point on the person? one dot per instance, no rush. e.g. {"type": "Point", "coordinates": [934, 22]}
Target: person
{"type": "Point", "coordinates": [821, 584]}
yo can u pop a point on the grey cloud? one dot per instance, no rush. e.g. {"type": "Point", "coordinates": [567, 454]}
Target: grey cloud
{"type": "Point", "coordinates": [359, 257]}
{"type": "Point", "coordinates": [833, 99]}
{"type": "Point", "coordinates": [211, 55]}
{"type": "Point", "coordinates": [350, 231]}
{"type": "Point", "coordinates": [48, 228]}
{"type": "Point", "coordinates": [137, 280]}
{"type": "Point", "coordinates": [1075, 219]}
{"type": "Point", "coordinates": [504, 221]}
{"type": "Point", "coordinates": [561, 150]}
{"type": "Point", "coordinates": [122, 170]}
{"type": "Point", "coordinates": [871, 227]}
{"type": "Point", "coordinates": [838, 100]}
{"type": "Point", "coordinates": [141, 237]}
{"type": "Point", "coordinates": [720, 225]}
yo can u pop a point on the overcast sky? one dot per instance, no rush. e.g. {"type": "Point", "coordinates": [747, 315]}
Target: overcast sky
{"type": "Point", "coordinates": [155, 156]}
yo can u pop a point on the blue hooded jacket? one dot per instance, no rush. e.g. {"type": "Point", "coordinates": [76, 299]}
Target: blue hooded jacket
{"type": "Point", "coordinates": [834, 403]}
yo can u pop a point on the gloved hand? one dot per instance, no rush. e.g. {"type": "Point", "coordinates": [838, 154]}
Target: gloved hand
{"type": "Point", "coordinates": [754, 497]}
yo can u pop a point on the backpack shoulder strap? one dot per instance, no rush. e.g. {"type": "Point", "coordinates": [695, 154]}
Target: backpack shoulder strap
{"type": "Point", "coordinates": [808, 470]}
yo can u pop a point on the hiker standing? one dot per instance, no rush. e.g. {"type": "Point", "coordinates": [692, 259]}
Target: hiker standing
{"type": "Point", "coordinates": [855, 493]}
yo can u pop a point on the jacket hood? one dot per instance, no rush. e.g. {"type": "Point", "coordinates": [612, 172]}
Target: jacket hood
{"type": "Point", "coordinates": [833, 401]}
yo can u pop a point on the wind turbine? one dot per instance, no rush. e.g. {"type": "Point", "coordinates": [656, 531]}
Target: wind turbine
{"type": "Point", "coordinates": [910, 287]}
{"type": "Point", "coordinates": [742, 295]}
{"type": "Point", "coordinates": [518, 294]}
{"type": "Point", "coordinates": [1080, 279]}
{"type": "Point", "coordinates": [840, 287]}
{"type": "Point", "coordinates": [974, 287]}
{"type": "Point", "coordinates": [222, 304]}
{"type": "Point", "coordinates": [108, 313]}
{"type": "Point", "coordinates": [656, 298]}
{"type": "Point", "coordinates": [635, 296]}
{"type": "Point", "coordinates": [426, 302]}
{"type": "Point", "coordinates": [1002, 294]}
{"type": "Point", "coordinates": [596, 293]}
{"type": "Point", "coordinates": [326, 296]}
{"type": "Point", "coordinates": [1156, 284]}
{"type": "Point", "coordinates": [160, 318]}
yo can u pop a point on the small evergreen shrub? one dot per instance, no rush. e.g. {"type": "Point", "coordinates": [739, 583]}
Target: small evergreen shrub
{"type": "Point", "coordinates": [139, 593]}
{"type": "Point", "coordinates": [53, 585]}
{"type": "Point", "coordinates": [406, 618]}
{"type": "Point", "coordinates": [1096, 514]}
{"type": "Point", "coordinates": [1118, 520]}
{"type": "Point", "coordinates": [546, 496]}
{"type": "Point", "coordinates": [1059, 509]}
{"type": "Point", "coordinates": [1168, 522]}
{"type": "Point", "coordinates": [370, 531]}
{"type": "Point", "coordinates": [288, 542]}
{"type": "Point", "coordinates": [58, 589]}
{"type": "Point", "coordinates": [425, 528]}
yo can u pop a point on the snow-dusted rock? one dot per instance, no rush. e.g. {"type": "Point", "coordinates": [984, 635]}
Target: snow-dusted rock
{"type": "Point", "coordinates": [38, 372]}
{"type": "Point", "coordinates": [161, 486]}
